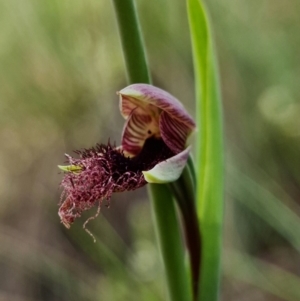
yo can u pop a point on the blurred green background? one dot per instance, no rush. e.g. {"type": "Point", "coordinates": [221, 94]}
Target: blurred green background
{"type": "Point", "coordinates": [60, 66]}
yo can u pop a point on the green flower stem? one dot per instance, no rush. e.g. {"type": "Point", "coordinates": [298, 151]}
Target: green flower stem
{"type": "Point", "coordinates": [192, 171]}
{"type": "Point", "coordinates": [132, 43]}
{"type": "Point", "coordinates": [165, 217]}
{"type": "Point", "coordinates": [184, 191]}
{"type": "Point", "coordinates": [209, 151]}
{"type": "Point", "coordinates": [168, 233]}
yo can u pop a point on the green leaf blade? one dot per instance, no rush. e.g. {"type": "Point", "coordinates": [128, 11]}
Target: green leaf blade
{"type": "Point", "coordinates": [209, 156]}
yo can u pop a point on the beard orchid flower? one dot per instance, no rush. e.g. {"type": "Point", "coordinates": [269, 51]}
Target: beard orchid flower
{"type": "Point", "coordinates": [153, 150]}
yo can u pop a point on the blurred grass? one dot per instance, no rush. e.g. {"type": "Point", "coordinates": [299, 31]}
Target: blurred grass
{"type": "Point", "coordinates": [272, 210]}
{"type": "Point", "coordinates": [262, 274]}
{"type": "Point", "coordinates": [60, 66]}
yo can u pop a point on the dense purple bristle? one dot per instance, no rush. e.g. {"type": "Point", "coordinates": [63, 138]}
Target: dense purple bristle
{"type": "Point", "coordinates": [104, 170]}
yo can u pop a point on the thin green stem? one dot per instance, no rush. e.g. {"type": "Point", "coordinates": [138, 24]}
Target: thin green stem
{"type": "Point", "coordinates": [168, 233]}
{"type": "Point", "coordinates": [183, 190]}
{"type": "Point", "coordinates": [132, 42]}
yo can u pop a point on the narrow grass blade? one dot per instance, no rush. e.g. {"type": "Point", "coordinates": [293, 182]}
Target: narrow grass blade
{"type": "Point", "coordinates": [261, 274]}
{"type": "Point", "coordinates": [209, 157]}
{"type": "Point", "coordinates": [268, 207]}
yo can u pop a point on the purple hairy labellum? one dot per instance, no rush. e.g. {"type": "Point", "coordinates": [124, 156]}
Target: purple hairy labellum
{"type": "Point", "coordinates": [153, 150]}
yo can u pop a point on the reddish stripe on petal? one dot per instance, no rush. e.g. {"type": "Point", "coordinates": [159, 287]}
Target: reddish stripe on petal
{"type": "Point", "coordinates": [147, 94]}
{"type": "Point", "coordinates": [173, 132]}
{"type": "Point", "coordinates": [126, 106]}
{"type": "Point", "coordinates": [138, 127]}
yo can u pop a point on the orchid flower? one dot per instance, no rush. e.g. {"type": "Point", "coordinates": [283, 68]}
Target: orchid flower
{"type": "Point", "coordinates": [153, 150]}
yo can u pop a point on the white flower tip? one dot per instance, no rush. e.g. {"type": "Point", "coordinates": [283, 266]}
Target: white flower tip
{"type": "Point", "coordinates": [168, 170]}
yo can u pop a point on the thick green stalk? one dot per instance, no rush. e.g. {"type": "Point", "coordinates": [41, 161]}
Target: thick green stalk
{"type": "Point", "coordinates": [168, 233]}
{"type": "Point", "coordinates": [209, 161]}
{"type": "Point", "coordinates": [165, 217]}
{"type": "Point", "coordinates": [132, 42]}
